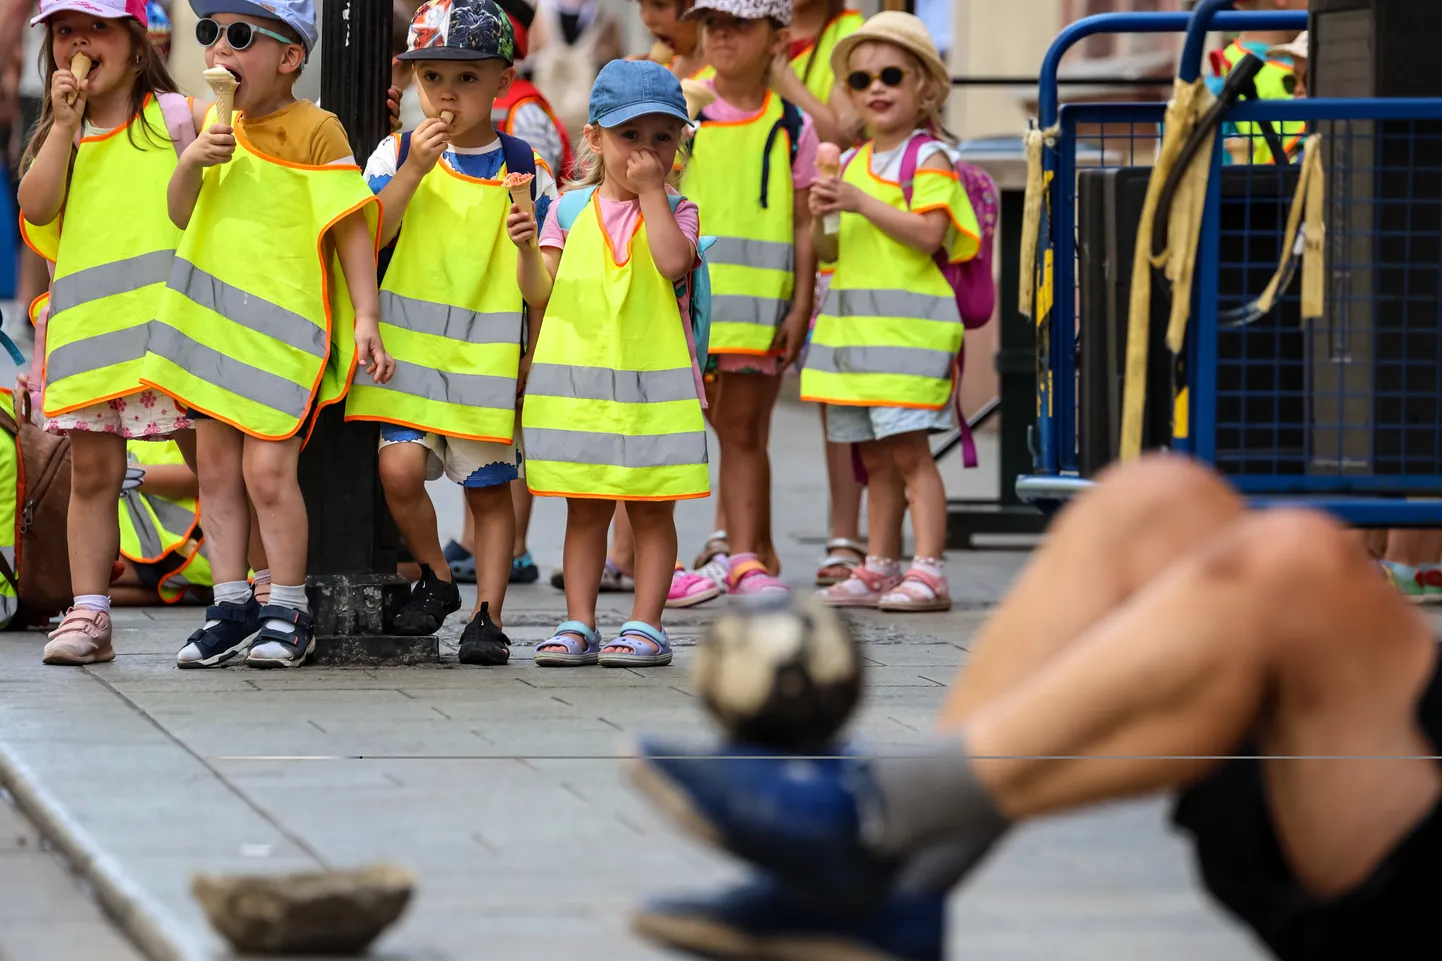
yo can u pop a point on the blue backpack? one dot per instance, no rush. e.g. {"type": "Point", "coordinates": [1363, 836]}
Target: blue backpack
{"type": "Point", "coordinates": [696, 285]}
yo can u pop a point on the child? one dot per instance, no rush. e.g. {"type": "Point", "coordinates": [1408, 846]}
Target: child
{"type": "Point", "coordinates": [1275, 81]}
{"type": "Point", "coordinates": [101, 155]}
{"type": "Point", "coordinates": [162, 550]}
{"type": "Point", "coordinates": [678, 41]}
{"type": "Point", "coordinates": [271, 305]}
{"type": "Point", "coordinates": [613, 398]}
{"type": "Point", "coordinates": [751, 170]}
{"type": "Point", "coordinates": [817, 26]}
{"type": "Point", "coordinates": [451, 314]}
{"type": "Point", "coordinates": [883, 353]}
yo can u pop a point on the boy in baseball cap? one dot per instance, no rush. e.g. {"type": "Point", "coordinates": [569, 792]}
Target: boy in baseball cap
{"type": "Point", "coordinates": [452, 405]}
{"type": "Point", "coordinates": [275, 213]}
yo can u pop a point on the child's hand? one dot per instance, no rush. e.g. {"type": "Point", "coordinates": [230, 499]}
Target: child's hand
{"type": "Point", "coordinates": [427, 144]}
{"type": "Point", "coordinates": [63, 84]}
{"type": "Point", "coordinates": [832, 196]}
{"type": "Point", "coordinates": [791, 337]}
{"type": "Point", "coordinates": [644, 171]}
{"type": "Point", "coordinates": [393, 107]}
{"type": "Point", "coordinates": [214, 146]}
{"type": "Point", "coordinates": [521, 226]}
{"type": "Point", "coordinates": [371, 353]}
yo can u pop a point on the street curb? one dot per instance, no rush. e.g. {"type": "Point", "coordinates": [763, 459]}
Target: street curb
{"type": "Point", "coordinates": [149, 926]}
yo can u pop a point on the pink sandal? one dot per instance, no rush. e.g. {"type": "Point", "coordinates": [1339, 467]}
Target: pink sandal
{"type": "Point", "coordinates": [689, 588]}
{"type": "Point", "coordinates": [748, 578]}
{"type": "Point", "coordinates": [919, 590]}
{"type": "Point", "coordinates": [864, 588]}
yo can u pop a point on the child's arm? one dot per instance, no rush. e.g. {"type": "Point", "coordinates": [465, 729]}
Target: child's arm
{"type": "Point", "coordinates": [358, 263]}
{"type": "Point", "coordinates": [171, 481]}
{"type": "Point", "coordinates": [428, 142]}
{"type": "Point", "coordinates": [792, 334]}
{"type": "Point", "coordinates": [214, 146]}
{"type": "Point", "coordinates": [926, 232]}
{"type": "Point", "coordinates": [671, 251]}
{"type": "Point", "coordinates": [834, 120]}
{"type": "Point", "coordinates": [44, 186]}
{"type": "Point", "coordinates": [536, 266]}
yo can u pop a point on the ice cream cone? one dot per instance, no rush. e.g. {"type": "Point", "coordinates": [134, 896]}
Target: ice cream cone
{"type": "Point", "coordinates": [80, 66]}
{"type": "Point", "coordinates": [828, 165]}
{"type": "Point", "coordinates": [698, 97]}
{"type": "Point", "coordinates": [448, 117]}
{"type": "Point", "coordinates": [520, 187]}
{"type": "Point", "coordinates": [223, 83]}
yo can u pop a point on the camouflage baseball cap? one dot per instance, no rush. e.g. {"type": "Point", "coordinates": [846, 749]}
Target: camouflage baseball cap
{"type": "Point", "coordinates": [461, 30]}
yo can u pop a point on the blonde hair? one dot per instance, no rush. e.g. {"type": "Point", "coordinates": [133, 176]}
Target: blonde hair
{"type": "Point", "coordinates": [931, 117]}
{"type": "Point", "coordinates": [590, 165]}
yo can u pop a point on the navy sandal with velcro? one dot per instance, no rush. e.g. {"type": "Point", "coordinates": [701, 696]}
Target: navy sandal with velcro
{"type": "Point", "coordinates": [298, 644]}
{"type": "Point", "coordinates": [218, 645]}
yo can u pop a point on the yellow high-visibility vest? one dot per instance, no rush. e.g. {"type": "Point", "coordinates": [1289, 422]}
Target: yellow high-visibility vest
{"type": "Point", "coordinates": [1275, 81]}
{"type": "Point", "coordinates": [112, 255]}
{"type": "Point", "coordinates": [813, 65]}
{"type": "Point", "coordinates": [610, 408]}
{"type": "Point", "coordinates": [256, 326]}
{"type": "Point", "coordinates": [889, 331]}
{"type": "Point", "coordinates": [450, 315]}
{"type": "Point", "coordinates": [9, 523]}
{"type": "Point", "coordinates": [734, 166]}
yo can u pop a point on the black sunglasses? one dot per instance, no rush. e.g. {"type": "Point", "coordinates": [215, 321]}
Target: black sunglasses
{"type": "Point", "coordinates": [238, 34]}
{"type": "Point", "coordinates": [890, 76]}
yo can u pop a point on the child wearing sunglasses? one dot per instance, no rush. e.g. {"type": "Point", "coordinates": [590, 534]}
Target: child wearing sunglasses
{"type": "Point", "coordinates": [883, 354]}
{"type": "Point", "coordinates": [270, 307]}
{"type": "Point", "coordinates": [751, 169]}
{"type": "Point", "coordinates": [102, 154]}
{"type": "Point", "coordinates": [452, 314]}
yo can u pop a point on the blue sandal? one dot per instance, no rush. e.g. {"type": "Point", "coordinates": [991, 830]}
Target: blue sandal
{"type": "Point", "coordinates": [647, 646]}
{"type": "Point", "coordinates": [582, 643]}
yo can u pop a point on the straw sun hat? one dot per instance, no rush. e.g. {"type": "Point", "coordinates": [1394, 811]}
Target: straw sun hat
{"type": "Point", "coordinates": [902, 30]}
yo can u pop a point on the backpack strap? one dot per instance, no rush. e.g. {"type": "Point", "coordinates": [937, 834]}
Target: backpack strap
{"type": "Point", "coordinates": [572, 202]}
{"type": "Point", "coordinates": [791, 121]}
{"type": "Point", "coordinates": [179, 120]}
{"type": "Point", "coordinates": [909, 158]}
{"type": "Point", "coordinates": [520, 159]}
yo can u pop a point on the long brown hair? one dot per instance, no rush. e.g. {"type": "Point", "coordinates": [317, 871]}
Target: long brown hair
{"type": "Point", "coordinates": [151, 77]}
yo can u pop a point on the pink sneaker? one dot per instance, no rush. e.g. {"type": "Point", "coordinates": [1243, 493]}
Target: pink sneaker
{"type": "Point", "coordinates": [83, 637]}
{"type": "Point", "coordinates": [689, 588]}
{"type": "Point", "coordinates": [864, 588]}
{"type": "Point", "coordinates": [747, 577]}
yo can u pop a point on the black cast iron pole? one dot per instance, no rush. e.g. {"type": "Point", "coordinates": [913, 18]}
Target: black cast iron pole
{"type": "Point", "coordinates": [354, 586]}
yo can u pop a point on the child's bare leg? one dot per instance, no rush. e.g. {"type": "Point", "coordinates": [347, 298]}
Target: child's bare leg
{"type": "Point", "coordinates": [745, 468]}
{"type": "Point", "coordinates": [844, 490]}
{"type": "Point", "coordinates": [468, 525]}
{"type": "Point", "coordinates": [1414, 547]}
{"type": "Point", "coordinates": [225, 511]}
{"type": "Point", "coordinates": [270, 477]}
{"type": "Point", "coordinates": [622, 552]}
{"type": "Point", "coordinates": [97, 473]}
{"type": "Point", "coordinates": [494, 517]}
{"type": "Point", "coordinates": [583, 558]}
{"type": "Point", "coordinates": [523, 500]}
{"type": "Point", "coordinates": [1137, 521]}
{"type": "Point", "coordinates": [655, 525]}
{"type": "Point", "coordinates": [403, 478]}
{"type": "Point", "coordinates": [912, 455]}
{"type": "Point", "coordinates": [885, 501]}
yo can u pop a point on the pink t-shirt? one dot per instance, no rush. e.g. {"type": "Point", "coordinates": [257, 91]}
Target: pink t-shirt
{"type": "Point", "coordinates": [620, 218]}
{"type": "Point", "coordinates": [803, 170]}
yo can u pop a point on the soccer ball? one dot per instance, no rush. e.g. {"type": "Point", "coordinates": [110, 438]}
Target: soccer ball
{"type": "Point", "coordinates": [783, 677]}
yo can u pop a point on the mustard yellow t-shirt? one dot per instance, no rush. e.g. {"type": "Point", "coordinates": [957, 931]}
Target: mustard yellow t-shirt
{"type": "Point", "coordinates": [300, 133]}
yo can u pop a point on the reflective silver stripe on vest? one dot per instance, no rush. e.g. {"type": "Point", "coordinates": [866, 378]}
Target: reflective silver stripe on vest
{"type": "Point", "coordinates": [615, 450]}
{"type": "Point", "coordinates": [738, 309]}
{"type": "Point", "coordinates": [602, 383]}
{"type": "Point", "coordinates": [740, 252]}
{"type": "Point", "coordinates": [107, 280]}
{"type": "Point", "coordinates": [97, 353]}
{"type": "Point", "coordinates": [175, 519]}
{"type": "Point", "coordinates": [890, 303]}
{"type": "Point", "coordinates": [247, 309]}
{"type": "Point", "coordinates": [145, 531]}
{"type": "Point", "coordinates": [446, 387]}
{"type": "Point", "coordinates": [9, 554]}
{"type": "Point", "coordinates": [914, 361]}
{"type": "Point", "coordinates": [227, 373]}
{"type": "Point", "coordinates": [456, 323]}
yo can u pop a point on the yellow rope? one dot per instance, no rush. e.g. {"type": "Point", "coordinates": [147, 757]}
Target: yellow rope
{"type": "Point", "coordinates": [1036, 142]}
{"type": "Point", "coordinates": [1308, 198]}
{"type": "Point", "coordinates": [1189, 102]}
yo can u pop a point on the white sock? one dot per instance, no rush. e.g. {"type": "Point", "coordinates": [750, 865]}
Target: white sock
{"type": "Point", "coordinates": [293, 597]}
{"type": "Point", "coordinates": [93, 602]}
{"type": "Point", "coordinates": [230, 592]}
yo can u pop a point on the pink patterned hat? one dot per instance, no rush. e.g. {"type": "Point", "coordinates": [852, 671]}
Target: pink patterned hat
{"type": "Point", "coordinates": [109, 9]}
{"type": "Point", "coordinates": [778, 10]}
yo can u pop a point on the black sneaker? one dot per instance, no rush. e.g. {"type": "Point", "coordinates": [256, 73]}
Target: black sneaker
{"type": "Point", "coordinates": [483, 643]}
{"type": "Point", "coordinates": [431, 600]}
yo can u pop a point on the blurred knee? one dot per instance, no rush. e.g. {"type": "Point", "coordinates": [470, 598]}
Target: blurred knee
{"type": "Point", "coordinates": [1166, 502]}
{"type": "Point", "coordinates": [911, 452]}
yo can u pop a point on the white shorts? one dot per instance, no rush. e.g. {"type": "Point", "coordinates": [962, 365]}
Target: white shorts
{"type": "Point", "coordinates": [470, 463]}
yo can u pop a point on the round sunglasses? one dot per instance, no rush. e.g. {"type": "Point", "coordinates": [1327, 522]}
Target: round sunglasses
{"type": "Point", "coordinates": [889, 76]}
{"type": "Point", "coordinates": [238, 34]}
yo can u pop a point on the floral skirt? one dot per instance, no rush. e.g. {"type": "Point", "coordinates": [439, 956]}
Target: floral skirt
{"type": "Point", "coordinates": [144, 415]}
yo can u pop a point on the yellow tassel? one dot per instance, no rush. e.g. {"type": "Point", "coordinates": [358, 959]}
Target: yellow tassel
{"type": "Point", "coordinates": [1036, 141]}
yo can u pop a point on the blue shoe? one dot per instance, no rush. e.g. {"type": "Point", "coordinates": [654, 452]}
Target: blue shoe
{"type": "Point", "coordinates": [798, 818]}
{"type": "Point", "coordinates": [762, 919]}
{"type": "Point", "coordinates": [461, 562]}
{"type": "Point", "coordinates": [524, 569]}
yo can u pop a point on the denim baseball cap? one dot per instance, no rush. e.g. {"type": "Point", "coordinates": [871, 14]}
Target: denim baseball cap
{"type": "Point", "coordinates": [627, 89]}
{"type": "Point", "coordinates": [299, 15]}
{"type": "Point", "coordinates": [461, 30]}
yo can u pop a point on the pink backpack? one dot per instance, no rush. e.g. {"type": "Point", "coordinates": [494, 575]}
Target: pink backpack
{"type": "Point", "coordinates": [973, 281]}
{"type": "Point", "coordinates": [180, 124]}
